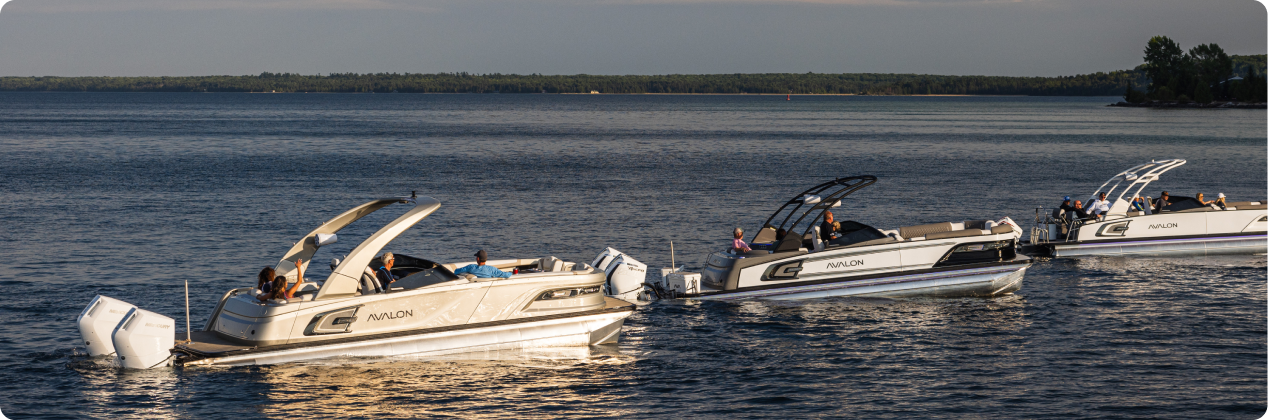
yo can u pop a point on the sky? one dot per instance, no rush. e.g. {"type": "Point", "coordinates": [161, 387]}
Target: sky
{"type": "Point", "coordinates": [949, 37]}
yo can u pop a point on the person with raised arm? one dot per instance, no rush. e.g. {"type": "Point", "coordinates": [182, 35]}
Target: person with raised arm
{"type": "Point", "coordinates": [279, 289]}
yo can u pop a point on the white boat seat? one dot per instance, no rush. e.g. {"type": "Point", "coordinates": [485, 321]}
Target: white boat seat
{"type": "Point", "coordinates": [550, 264]}
{"type": "Point", "coordinates": [369, 282]}
{"type": "Point", "coordinates": [957, 234]}
{"type": "Point", "coordinates": [816, 240]}
{"type": "Point", "coordinates": [922, 230]}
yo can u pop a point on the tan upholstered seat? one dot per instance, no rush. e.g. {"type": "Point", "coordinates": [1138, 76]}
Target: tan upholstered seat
{"type": "Point", "coordinates": [922, 230]}
{"type": "Point", "coordinates": [957, 234]}
{"type": "Point", "coordinates": [1001, 229]}
{"type": "Point", "coordinates": [1253, 207]}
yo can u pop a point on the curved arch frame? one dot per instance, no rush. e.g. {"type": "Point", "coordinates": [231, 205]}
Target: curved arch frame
{"type": "Point", "coordinates": [843, 188]}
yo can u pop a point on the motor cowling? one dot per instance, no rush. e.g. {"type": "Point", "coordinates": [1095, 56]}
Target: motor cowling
{"type": "Point", "coordinates": [98, 321]}
{"type": "Point", "coordinates": [143, 339]}
{"type": "Point", "coordinates": [625, 278]}
{"type": "Point", "coordinates": [605, 258]}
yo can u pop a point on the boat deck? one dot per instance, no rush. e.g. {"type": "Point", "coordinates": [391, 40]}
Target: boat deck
{"type": "Point", "coordinates": [208, 342]}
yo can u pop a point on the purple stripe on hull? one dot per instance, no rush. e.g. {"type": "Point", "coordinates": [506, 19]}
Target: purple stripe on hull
{"type": "Point", "coordinates": [847, 285]}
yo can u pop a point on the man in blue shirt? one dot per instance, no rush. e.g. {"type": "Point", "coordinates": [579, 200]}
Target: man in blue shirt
{"type": "Point", "coordinates": [480, 270]}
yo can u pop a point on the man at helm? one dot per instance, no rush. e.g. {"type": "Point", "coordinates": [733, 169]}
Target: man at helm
{"type": "Point", "coordinates": [480, 270]}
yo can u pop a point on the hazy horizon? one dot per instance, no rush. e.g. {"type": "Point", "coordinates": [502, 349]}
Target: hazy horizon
{"type": "Point", "coordinates": [611, 37]}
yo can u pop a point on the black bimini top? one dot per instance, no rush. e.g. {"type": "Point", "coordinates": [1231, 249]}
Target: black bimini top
{"type": "Point", "coordinates": [797, 210]}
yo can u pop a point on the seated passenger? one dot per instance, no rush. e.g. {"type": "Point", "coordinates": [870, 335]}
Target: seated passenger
{"type": "Point", "coordinates": [480, 270]}
{"type": "Point", "coordinates": [1162, 202]}
{"type": "Point", "coordinates": [384, 273]}
{"type": "Point", "coordinates": [738, 245]}
{"type": "Point", "coordinates": [279, 289]}
{"type": "Point", "coordinates": [1065, 205]}
{"type": "Point", "coordinates": [1141, 205]}
{"type": "Point", "coordinates": [1219, 202]}
{"type": "Point", "coordinates": [1099, 207]}
{"type": "Point", "coordinates": [264, 280]}
{"type": "Point", "coordinates": [779, 234]}
{"type": "Point", "coordinates": [1077, 212]}
{"type": "Point", "coordinates": [827, 229]}
{"type": "Point", "coordinates": [1204, 202]}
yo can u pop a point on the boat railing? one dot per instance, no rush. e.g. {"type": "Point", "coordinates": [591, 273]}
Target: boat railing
{"type": "Point", "coordinates": [219, 306]}
{"type": "Point", "coordinates": [1041, 233]}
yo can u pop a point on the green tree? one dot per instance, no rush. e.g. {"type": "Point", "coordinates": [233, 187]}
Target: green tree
{"type": "Point", "coordinates": [1202, 92]}
{"type": "Point", "coordinates": [1164, 60]}
{"type": "Point", "coordinates": [1212, 64]}
{"type": "Point", "coordinates": [1132, 95]}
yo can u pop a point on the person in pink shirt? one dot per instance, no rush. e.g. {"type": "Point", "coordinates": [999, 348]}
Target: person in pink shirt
{"type": "Point", "coordinates": [738, 245]}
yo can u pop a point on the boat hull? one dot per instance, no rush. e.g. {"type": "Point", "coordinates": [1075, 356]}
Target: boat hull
{"type": "Point", "coordinates": [982, 281]}
{"type": "Point", "coordinates": [593, 328]}
{"type": "Point", "coordinates": [1166, 247]}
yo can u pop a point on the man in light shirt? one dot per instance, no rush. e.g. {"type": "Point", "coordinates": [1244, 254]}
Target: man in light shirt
{"type": "Point", "coordinates": [1099, 207]}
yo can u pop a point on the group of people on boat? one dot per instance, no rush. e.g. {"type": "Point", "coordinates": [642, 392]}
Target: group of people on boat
{"type": "Point", "coordinates": [829, 229]}
{"type": "Point", "coordinates": [1099, 206]}
{"type": "Point", "coordinates": [278, 288]}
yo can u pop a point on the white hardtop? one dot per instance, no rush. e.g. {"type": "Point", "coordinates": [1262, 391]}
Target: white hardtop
{"type": "Point", "coordinates": [345, 277]}
{"type": "Point", "coordinates": [1137, 183]}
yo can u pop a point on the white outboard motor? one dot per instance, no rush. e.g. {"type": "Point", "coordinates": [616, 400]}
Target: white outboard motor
{"type": "Point", "coordinates": [97, 322]}
{"type": "Point", "coordinates": [625, 278]}
{"type": "Point", "coordinates": [606, 257]}
{"type": "Point", "coordinates": [144, 340]}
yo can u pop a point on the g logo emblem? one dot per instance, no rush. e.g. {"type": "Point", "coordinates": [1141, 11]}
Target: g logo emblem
{"type": "Point", "coordinates": [785, 271]}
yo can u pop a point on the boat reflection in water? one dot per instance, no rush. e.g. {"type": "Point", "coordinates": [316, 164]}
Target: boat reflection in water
{"type": "Point", "coordinates": [492, 384]}
{"type": "Point", "coordinates": [127, 393]}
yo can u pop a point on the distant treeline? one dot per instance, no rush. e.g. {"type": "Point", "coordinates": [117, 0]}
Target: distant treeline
{"type": "Point", "coordinates": [1106, 84]}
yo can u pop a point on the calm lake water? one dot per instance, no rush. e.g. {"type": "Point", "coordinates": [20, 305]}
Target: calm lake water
{"type": "Point", "coordinates": [129, 195]}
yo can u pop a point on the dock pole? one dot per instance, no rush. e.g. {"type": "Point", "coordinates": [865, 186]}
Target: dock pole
{"type": "Point", "coordinates": [187, 332]}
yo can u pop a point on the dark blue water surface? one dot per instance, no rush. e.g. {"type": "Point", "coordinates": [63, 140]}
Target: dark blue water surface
{"type": "Point", "coordinates": [129, 195]}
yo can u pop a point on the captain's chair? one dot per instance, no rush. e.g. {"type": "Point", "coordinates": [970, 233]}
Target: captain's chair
{"type": "Point", "coordinates": [370, 282]}
{"type": "Point", "coordinates": [817, 240]}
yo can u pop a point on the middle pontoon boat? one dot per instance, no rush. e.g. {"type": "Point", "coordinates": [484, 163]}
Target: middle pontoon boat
{"type": "Point", "coordinates": [428, 311]}
{"type": "Point", "coordinates": [1183, 228]}
{"type": "Point", "coordinates": [970, 258]}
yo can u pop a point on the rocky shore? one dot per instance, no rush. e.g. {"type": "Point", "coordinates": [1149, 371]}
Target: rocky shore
{"type": "Point", "coordinates": [1178, 104]}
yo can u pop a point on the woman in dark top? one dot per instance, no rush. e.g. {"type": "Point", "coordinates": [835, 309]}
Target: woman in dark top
{"type": "Point", "coordinates": [264, 281]}
{"type": "Point", "coordinates": [279, 289]}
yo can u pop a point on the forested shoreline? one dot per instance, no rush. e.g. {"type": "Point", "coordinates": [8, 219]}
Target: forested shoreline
{"type": "Point", "coordinates": [1113, 83]}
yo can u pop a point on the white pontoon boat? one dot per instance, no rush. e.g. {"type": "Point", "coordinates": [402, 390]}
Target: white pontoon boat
{"type": "Point", "coordinates": [1183, 228]}
{"type": "Point", "coordinates": [428, 311]}
{"type": "Point", "coordinates": [970, 258]}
